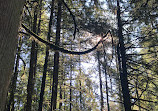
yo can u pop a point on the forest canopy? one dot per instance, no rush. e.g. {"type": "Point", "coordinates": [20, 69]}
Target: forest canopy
{"type": "Point", "coordinates": [79, 55]}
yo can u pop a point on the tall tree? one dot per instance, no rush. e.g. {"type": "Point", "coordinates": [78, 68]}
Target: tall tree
{"type": "Point", "coordinates": [118, 78]}
{"type": "Point", "coordinates": [46, 58]}
{"type": "Point", "coordinates": [9, 21]}
{"type": "Point", "coordinates": [62, 84]}
{"type": "Point", "coordinates": [100, 80]}
{"type": "Point", "coordinates": [71, 81]}
{"type": "Point", "coordinates": [32, 69]}
{"type": "Point", "coordinates": [80, 84]}
{"type": "Point", "coordinates": [56, 60]}
{"type": "Point", "coordinates": [106, 77]}
{"type": "Point", "coordinates": [122, 60]}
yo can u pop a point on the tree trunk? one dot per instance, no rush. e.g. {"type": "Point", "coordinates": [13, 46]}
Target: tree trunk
{"type": "Point", "coordinates": [56, 61]}
{"type": "Point", "coordinates": [10, 11]}
{"type": "Point", "coordinates": [70, 87]}
{"type": "Point", "coordinates": [64, 95]}
{"type": "Point", "coordinates": [10, 105]}
{"type": "Point", "coordinates": [123, 71]}
{"type": "Point", "coordinates": [62, 84]}
{"type": "Point", "coordinates": [106, 79]}
{"type": "Point", "coordinates": [118, 68]}
{"type": "Point", "coordinates": [80, 82]}
{"type": "Point", "coordinates": [46, 59]}
{"type": "Point", "coordinates": [32, 69]}
{"type": "Point", "coordinates": [100, 80]}
{"type": "Point", "coordinates": [71, 81]}
{"type": "Point", "coordinates": [60, 104]}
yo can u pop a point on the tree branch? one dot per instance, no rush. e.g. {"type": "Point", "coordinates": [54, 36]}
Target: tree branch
{"type": "Point", "coordinates": [144, 100]}
{"type": "Point", "coordinates": [57, 48]}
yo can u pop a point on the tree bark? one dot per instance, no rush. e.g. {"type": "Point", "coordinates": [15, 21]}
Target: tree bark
{"type": "Point", "coordinates": [10, 105]}
{"type": "Point", "coordinates": [123, 71]}
{"type": "Point", "coordinates": [10, 11]}
{"type": "Point", "coordinates": [56, 61]}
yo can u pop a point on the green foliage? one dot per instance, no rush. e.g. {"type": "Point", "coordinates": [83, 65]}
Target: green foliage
{"type": "Point", "coordinates": [93, 20]}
